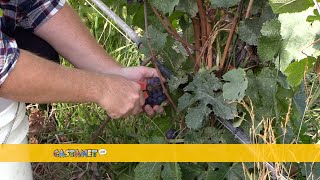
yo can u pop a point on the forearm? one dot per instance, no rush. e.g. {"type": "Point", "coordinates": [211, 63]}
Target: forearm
{"type": "Point", "coordinates": [39, 81]}
{"type": "Point", "coordinates": [68, 35]}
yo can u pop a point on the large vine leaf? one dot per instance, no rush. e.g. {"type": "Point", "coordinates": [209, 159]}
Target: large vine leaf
{"type": "Point", "coordinates": [165, 6]}
{"type": "Point", "coordinates": [236, 171]}
{"type": "Point", "coordinates": [195, 116]}
{"type": "Point", "coordinates": [216, 171]}
{"type": "Point", "coordinates": [186, 100]}
{"type": "Point", "coordinates": [290, 6]}
{"type": "Point", "coordinates": [236, 86]}
{"type": "Point", "coordinates": [219, 106]}
{"type": "Point", "coordinates": [300, 100]}
{"type": "Point", "coordinates": [297, 34]}
{"type": "Point", "coordinates": [271, 28]}
{"type": "Point", "coordinates": [191, 171]}
{"type": "Point", "coordinates": [261, 90]}
{"type": "Point", "coordinates": [268, 48]}
{"type": "Point", "coordinates": [157, 40]}
{"type": "Point", "coordinates": [269, 44]}
{"type": "Point", "coordinates": [146, 171]}
{"type": "Point", "coordinates": [210, 135]}
{"type": "Point", "coordinates": [171, 171]}
{"type": "Point", "coordinates": [204, 81]}
{"type": "Point", "coordinates": [250, 29]}
{"type": "Point", "coordinates": [188, 6]}
{"type": "Point", "coordinates": [175, 81]}
{"type": "Point", "coordinates": [224, 3]}
{"type": "Point", "coordinates": [205, 90]}
{"type": "Point", "coordinates": [296, 70]}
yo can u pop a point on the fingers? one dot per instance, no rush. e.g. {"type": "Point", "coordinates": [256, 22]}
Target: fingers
{"type": "Point", "coordinates": [149, 111]}
{"type": "Point", "coordinates": [152, 111]}
{"type": "Point", "coordinates": [139, 102]}
{"type": "Point", "coordinates": [150, 73]}
{"type": "Point", "coordinates": [158, 109]}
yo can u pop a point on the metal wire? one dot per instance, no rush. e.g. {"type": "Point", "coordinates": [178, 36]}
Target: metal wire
{"type": "Point", "coordinates": [123, 34]}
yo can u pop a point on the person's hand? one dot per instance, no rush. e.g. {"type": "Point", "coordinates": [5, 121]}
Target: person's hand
{"type": "Point", "coordinates": [142, 73]}
{"type": "Point", "coordinates": [121, 97]}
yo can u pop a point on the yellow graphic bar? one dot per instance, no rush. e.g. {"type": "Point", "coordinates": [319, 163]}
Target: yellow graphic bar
{"type": "Point", "coordinates": [159, 153]}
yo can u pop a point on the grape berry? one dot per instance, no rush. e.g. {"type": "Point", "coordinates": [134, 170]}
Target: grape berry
{"type": "Point", "coordinates": [155, 92]}
{"type": "Point", "coordinates": [171, 134]}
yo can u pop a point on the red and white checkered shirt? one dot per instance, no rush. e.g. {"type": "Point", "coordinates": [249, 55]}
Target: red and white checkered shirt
{"type": "Point", "coordinates": [28, 14]}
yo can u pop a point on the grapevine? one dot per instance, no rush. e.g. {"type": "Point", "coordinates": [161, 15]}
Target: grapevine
{"type": "Point", "coordinates": [234, 65]}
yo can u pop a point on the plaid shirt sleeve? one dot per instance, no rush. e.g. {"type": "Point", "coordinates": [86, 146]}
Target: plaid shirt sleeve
{"type": "Point", "coordinates": [32, 13]}
{"type": "Point", "coordinates": [9, 53]}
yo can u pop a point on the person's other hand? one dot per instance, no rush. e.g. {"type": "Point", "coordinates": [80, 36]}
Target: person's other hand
{"type": "Point", "coordinates": [121, 97]}
{"type": "Point", "coordinates": [142, 73]}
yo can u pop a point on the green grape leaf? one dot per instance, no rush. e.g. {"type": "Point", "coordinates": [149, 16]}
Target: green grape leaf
{"type": "Point", "coordinates": [271, 28]}
{"type": "Point", "coordinates": [315, 17]}
{"type": "Point", "coordinates": [186, 100]}
{"type": "Point", "coordinates": [165, 6]}
{"type": "Point", "coordinates": [191, 171]}
{"type": "Point", "coordinates": [157, 40]}
{"type": "Point", "coordinates": [236, 172]}
{"type": "Point", "coordinates": [295, 71]}
{"type": "Point", "coordinates": [188, 6]}
{"type": "Point", "coordinates": [209, 135]}
{"type": "Point", "coordinates": [261, 90]}
{"type": "Point", "coordinates": [282, 80]}
{"type": "Point", "coordinates": [205, 81]}
{"type": "Point", "coordinates": [204, 86]}
{"type": "Point", "coordinates": [176, 81]}
{"type": "Point", "coordinates": [212, 135]}
{"type": "Point", "coordinates": [290, 6]}
{"type": "Point", "coordinates": [268, 48]}
{"type": "Point", "coordinates": [224, 3]}
{"type": "Point", "coordinates": [270, 43]}
{"type": "Point", "coordinates": [146, 171]}
{"type": "Point", "coordinates": [171, 171]}
{"type": "Point", "coordinates": [219, 106]}
{"type": "Point", "coordinates": [196, 115]}
{"type": "Point", "coordinates": [249, 30]}
{"type": "Point", "coordinates": [236, 86]}
{"type": "Point", "coordinates": [216, 171]}
{"type": "Point", "coordinates": [300, 100]}
{"type": "Point", "coordinates": [226, 137]}
{"type": "Point", "coordinates": [206, 90]}
{"type": "Point", "coordinates": [297, 34]}
{"type": "Point", "coordinates": [194, 137]}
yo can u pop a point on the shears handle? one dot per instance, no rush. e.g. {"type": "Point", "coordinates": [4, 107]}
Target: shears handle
{"type": "Point", "coordinates": [143, 86]}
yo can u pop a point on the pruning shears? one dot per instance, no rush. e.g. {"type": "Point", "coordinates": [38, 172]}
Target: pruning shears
{"type": "Point", "coordinates": [143, 86]}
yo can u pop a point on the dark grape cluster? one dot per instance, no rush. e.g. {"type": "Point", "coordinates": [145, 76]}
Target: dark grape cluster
{"type": "Point", "coordinates": [155, 92]}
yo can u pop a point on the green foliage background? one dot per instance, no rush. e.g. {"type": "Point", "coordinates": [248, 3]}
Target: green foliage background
{"type": "Point", "coordinates": [282, 81]}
